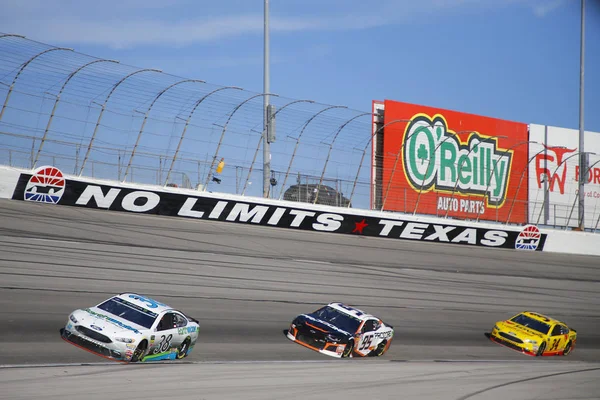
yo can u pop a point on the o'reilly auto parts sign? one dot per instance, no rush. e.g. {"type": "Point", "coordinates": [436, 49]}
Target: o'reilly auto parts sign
{"type": "Point", "coordinates": [56, 190]}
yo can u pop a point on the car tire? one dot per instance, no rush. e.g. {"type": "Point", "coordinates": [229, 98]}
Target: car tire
{"type": "Point", "coordinates": [541, 350]}
{"type": "Point", "coordinates": [183, 349]}
{"type": "Point", "coordinates": [379, 350]}
{"type": "Point", "coordinates": [567, 349]}
{"type": "Point", "coordinates": [139, 352]}
{"type": "Point", "coordinates": [348, 350]}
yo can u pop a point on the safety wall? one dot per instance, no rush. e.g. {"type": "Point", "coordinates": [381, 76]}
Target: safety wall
{"type": "Point", "coordinates": [50, 186]}
{"type": "Point", "coordinates": [554, 177]}
{"type": "Point", "coordinates": [452, 164]}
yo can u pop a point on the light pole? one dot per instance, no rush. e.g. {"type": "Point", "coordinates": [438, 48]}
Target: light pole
{"type": "Point", "coordinates": [267, 107]}
{"type": "Point", "coordinates": [582, 154]}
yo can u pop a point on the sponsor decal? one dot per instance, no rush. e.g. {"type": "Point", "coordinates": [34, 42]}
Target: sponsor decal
{"type": "Point", "coordinates": [529, 238]}
{"type": "Point", "coordinates": [443, 162]}
{"type": "Point", "coordinates": [46, 185]}
{"type": "Point", "coordinates": [150, 303]}
{"type": "Point", "coordinates": [186, 330]}
{"type": "Point", "coordinates": [435, 158]}
{"type": "Point", "coordinates": [384, 335]}
{"type": "Point", "coordinates": [83, 194]}
{"type": "Point", "coordinates": [111, 320]}
{"type": "Point", "coordinates": [556, 174]}
{"type": "Point", "coordinates": [328, 324]}
{"type": "Point", "coordinates": [95, 327]}
{"type": "Point", "coordinates": [130, 346]}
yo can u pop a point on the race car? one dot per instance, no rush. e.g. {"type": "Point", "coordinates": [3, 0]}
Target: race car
{"type": "Point", "coordinates": [535, 334]}
{"type": "Point", "coordinates": [131, 328]}
{"type": "Point", "coordinates": [341, 331]}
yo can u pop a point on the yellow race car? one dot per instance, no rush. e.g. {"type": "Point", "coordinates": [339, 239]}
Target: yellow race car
{"type": "Point", "coordinates": [535, 334]}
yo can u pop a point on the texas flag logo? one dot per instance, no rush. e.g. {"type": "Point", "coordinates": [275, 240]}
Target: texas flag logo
{"type": "Point", "coordinates": [46, 185]}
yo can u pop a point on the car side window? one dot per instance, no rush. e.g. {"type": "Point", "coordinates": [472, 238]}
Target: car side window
{"type": "Point", "coordinates": [564, 330]}
{"type": "Point", "coordinates": [557, 331]}
{"type": "Point", "coordinates": [180, 320]}
{"type": "Point", "coordinates": [370, 325]}
{"type": "Point", "coordinates": [166, 322]}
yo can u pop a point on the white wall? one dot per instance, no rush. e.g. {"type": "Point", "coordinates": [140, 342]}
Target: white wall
{"type": "Point", "coordinates": [562, 194]}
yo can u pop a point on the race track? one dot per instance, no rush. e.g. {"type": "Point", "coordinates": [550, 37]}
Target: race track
{"type": "Point", "coordinates": [246, 283]}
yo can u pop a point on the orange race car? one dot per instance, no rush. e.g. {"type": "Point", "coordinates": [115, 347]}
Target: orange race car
{"type": "Point", "coordinates": [535, 334]}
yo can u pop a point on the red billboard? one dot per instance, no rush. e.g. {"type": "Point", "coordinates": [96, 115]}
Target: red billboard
{"type": "Point", "coordinates": [449, 163]}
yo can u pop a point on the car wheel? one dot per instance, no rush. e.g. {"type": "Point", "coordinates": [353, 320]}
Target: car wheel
{"type": "Point", "coordinates": [567, 349]}
{"type": "Point", "coordinates": [348, 350]}
{"type": "Point", "coordinates": [541, 350]}
{"type": "Point", "coordinates": [139, 352]}
{"type": "Point", "coordinates": [183, 349]}
{"type": "Point", "coordinates": [379, 350]}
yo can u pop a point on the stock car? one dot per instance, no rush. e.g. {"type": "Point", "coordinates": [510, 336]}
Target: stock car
{"type": "Point", "coordinates": [341, 331]}
{"type": "Point", "coordinates": [131, 328]}
{"type": "Point", "coordinates": [535, 335]}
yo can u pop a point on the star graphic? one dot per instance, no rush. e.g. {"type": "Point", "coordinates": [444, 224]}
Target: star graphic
{"type": "Point", "coordinates": [359, 226]}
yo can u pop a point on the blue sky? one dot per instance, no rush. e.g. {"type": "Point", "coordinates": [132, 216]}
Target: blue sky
{"type": "Point", "coordinates": [512, 59]}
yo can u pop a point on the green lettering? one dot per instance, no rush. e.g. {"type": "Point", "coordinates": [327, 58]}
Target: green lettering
{"type": "Point", "coordinates": [499, 178]}
{"type": "Point", "coordinates": [422, 154]}
{"type": "Point", "coordinates": [447, 162]}
{"type": "Point", "coordinates": [465, 164]}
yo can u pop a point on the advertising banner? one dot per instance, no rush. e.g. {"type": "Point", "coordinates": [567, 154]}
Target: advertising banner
{"type": "Point", "coordinates": [449, 163]}
{"type": "Point", "coordinates": [554, 177]}
{"type": "Point", "coordinates": [49, 185]}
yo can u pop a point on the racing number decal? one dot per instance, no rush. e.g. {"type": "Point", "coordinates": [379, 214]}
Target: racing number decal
{"type": "Point", "coordinates": [366, 342]}
{"type": "Point", "coordinates": [164, 344]}
{"type": "Point", "coordinates": [554, 345]}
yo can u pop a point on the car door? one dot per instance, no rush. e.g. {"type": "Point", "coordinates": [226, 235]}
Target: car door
{"type": "Point", "coordinates": [366, 335]}
{"type": "Point", "coordinates": [558, 339]}
{"type": "Point", "coordinates": [166, 334]}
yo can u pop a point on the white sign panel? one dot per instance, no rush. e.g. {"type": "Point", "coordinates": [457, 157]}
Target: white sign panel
{"type": "Point", "coordinates": [554, 177]}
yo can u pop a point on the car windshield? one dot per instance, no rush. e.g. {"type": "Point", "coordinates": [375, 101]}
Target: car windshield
{"type": "Point", "coordinates": [131, 312]}
{"type": "Point", "coordinates": [342, 320]}
{"type": "Point", "coordinates": [529, 322]}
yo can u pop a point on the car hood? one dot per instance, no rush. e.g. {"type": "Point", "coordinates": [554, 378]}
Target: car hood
{"type": "Point", "coordinates": [106, 323]}
{"type": "Point", "coordinates": [324, 326]}
{"type": "Point", "coordinates": [518, 330]}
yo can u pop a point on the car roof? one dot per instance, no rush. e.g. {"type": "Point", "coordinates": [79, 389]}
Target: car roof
{"type": "Point", "coordinates": [541, 317]}
{"type": "Point", "coordinates": [350, 310]}
{"type": "Point", "coordinates": [145, 302]}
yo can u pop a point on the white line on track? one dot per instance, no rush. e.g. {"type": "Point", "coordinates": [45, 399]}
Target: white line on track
{"type": "Point", "coordinates": [101, 364]}
{"type": "Point", "coordinates": [311, 261]}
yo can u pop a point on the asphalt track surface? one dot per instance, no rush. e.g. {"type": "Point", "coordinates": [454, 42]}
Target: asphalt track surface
{"type": "Point", "coordinates": [246, 283]}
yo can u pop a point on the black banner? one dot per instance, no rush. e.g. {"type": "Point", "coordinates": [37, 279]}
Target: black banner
{"type": "Point", "coordinates": [90, 195]}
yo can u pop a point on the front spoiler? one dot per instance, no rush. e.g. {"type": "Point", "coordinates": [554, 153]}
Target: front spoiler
{"type": "Point", "coordinates": [90, 346]}
{"type": "Point", "coordinates": [510, 345]}
{"type": "Point", "coordinates": [326, 352]}
{"type": "Point", "coordinates": [521, 350]}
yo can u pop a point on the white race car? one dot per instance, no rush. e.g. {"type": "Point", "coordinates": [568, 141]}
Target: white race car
{"type": "Point", "coordinates": [130, 327]}
{"type": "Point", "coordinates": [341, 331]}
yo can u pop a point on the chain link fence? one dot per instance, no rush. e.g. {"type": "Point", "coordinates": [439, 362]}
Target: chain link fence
{"type": "Point", "coordinates": [106, 120]}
